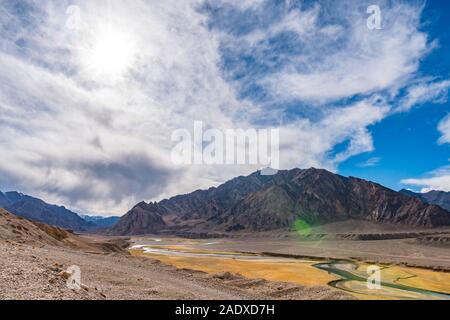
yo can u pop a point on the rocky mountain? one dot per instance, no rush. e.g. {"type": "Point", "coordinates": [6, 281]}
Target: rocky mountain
{"type": "Point", "coordinates": [142, 219]}
{"type": "Point", "coordinates": [3, 201]}
{"type": "Point", "coordinates": [440, 198]}
{"type": "Point", "coordinates": [38, 210]}
{"type": "Point", "coordinates": [262, 203]}
{"type": "Point", "coordinates": [101, 222]}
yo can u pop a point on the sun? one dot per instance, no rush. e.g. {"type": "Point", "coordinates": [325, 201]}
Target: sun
{"type": "Point", "coordinates": [111, 54]}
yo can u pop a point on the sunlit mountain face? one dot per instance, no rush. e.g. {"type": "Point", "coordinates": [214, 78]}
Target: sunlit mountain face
{"type": "Point", "coordinates": [92, 93]}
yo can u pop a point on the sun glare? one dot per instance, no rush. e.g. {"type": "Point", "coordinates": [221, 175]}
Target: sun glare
{"type": "Point", "coordinates": [111, 54]}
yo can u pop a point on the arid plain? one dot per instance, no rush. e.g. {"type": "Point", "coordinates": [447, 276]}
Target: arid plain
{"type": "Point", "coordinates": [329, 262]}
{"type": "Point", "coordinates": [413, 265]}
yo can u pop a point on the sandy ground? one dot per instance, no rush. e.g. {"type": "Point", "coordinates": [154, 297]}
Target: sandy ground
{"type": "Point", "coordinates": [28, 272]}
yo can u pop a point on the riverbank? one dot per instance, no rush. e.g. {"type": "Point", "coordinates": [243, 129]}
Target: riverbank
{"type": "Point", "coordinates": [350, 275]}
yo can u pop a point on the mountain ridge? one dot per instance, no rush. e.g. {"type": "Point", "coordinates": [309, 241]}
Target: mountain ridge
{"type": "Point", "coordinates": [440, 198]}
{"type": "Point", "coordinates": [264, 203]}
{"type": "Point", "coordinates": [36, 209]}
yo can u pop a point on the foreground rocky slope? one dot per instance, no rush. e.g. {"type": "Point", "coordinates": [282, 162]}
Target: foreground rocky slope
{"type": "Point", "coordinates": [262, 203]}
{"type": "Point", "coordinates": [20, 230]}
{"type": "Point", "coordinates": [28, 272]}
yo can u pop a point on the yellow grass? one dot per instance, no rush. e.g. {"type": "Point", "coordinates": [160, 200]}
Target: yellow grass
{"type": "Point", "coordinates": [303, 272]}
{"type": "Point", "coordinates": [293, 271]}
{"type": "Point", "coordinates": [414, 277]}
{"type": "Point", "coordinates": [360, 291]}
{"type": "Point", "coordinates": [187, 249]}
{"type": "Point", "coordinates": [428, 279]}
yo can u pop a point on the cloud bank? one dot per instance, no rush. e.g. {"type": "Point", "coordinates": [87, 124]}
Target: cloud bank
{"type": "Point", "coordinates": [436, 180]}
{"type": "Point", "coordinates": [100, 142]}
{"type": "Point", "coordinates": [444, 129]}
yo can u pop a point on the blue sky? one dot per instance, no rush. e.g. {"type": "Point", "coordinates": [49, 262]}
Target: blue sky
{"type": "Point", "coordinates": [406, 144]}
{"type": "Point", "coordinates": [91, 92]}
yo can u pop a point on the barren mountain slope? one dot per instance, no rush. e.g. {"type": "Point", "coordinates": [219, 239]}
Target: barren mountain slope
{"type": "Point", "coordinates": [263, 203]}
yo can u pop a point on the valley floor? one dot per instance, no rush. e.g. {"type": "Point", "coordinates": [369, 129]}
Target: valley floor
{"type": "Point", "coordinates": [406, 251]}
{"type": "Point", "coordinates": [29, 272]}
{"type": "Point", "coordinates": [36, 271]}
{"type": "Point", "coordinates": [407, 269]}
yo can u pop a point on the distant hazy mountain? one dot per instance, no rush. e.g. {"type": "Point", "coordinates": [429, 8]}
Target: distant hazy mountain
{"type": "Point", "coordinates": [38, 210]}
{"type": "Point", "coordinates": [440, 198]}
{"type": "Point", "coordinates": [260, 203]}
{"type": "Point", "coordinates": [101, 222]}
{"type": "Point", "coordinates": [3, 200]}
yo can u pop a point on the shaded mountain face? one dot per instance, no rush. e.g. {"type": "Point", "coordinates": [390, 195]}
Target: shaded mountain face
{"type": "Point", "coordinates": [440, 198]}
{"type": "Point", "coordinates": [262, 203]}
{"type": "Point", "coordinates": [37, 210]}
{"type": "Point", "coordinates": [101, 222]}
{"type": "Point", "coordinates": [142, 219]}
{"type": "Point", "coordinates": [3, 200]}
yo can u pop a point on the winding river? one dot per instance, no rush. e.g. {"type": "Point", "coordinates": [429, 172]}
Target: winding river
{"type": "Point", "coordinates": [350, 276]}
{"type": "Point", "coordinates": [355, 282]}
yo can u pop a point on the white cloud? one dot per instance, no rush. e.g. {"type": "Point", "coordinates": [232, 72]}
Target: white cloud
{"type": "Point", "coordinates": [68, 134]}
{"type": "Point", "coordinates": [99, 143]}
{"type": "Point", "coordinates": [305, 141]}
{"type": "Point", "coordinates": [425, 92]}
{"type": "Point", "coordinates": [372, 162]}
{"type": "Point", "coordinates": [444, 129]}
{"type": "Point", "coordinates": [436, 180]}
{"type": "Point", "coordinates": [364, 62]}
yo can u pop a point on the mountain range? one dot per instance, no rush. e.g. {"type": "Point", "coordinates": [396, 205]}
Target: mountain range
{"type": "Point", "coordinates": [38, 210]}
{"type": "Point", "coordinates": [101, 222]}
{"type": "Point", "coordinates": [254, 203]}
{"type": "Point", "coordinates": [440, 198]}
{"type": "Point", "coordinates": [263, 203]}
